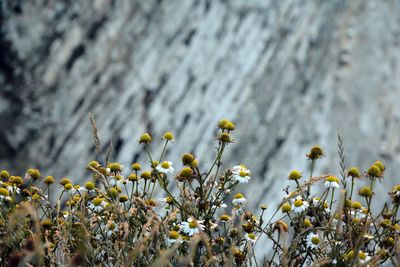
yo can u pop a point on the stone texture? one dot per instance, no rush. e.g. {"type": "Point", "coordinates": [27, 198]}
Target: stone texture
{"type": "Point", "coordinates": [289, 73]}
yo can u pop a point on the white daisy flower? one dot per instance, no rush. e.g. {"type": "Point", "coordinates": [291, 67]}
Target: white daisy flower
{"type": "Point", "coordinates": [110, 228]}
{"type": "Point", "coordinates": [364, 257]}
{"type": "Point", "coordinates": [332, 182]}
{"type": "Point", "coordinates": [192, 226]}
{"type": "Point", "coordinates": [4, 194]}
{"type": "Point", "coordinates": [299, 205]}
{"type": "Point", "coordinates": [97, 204]}
{"type": "Point", "coordinates": [238, 199]}
{"type": "Point", "coordinates": [313, 241]}
{"type": "Point", "coordinates": [165, 167]}
{"type": "Point", "coordinates": [241, 174]}
{"type": "Point", "coordinates": [115, 182]}
{"type": "Point", "coordinates": [251, 237]}
{"type": "Point", "coordinates": [174, 237]}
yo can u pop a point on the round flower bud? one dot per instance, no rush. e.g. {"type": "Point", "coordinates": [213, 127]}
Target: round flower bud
{"type": "Point", "coordinates": [222, 122]}
{"type": "Point", "coordinates": [123, 198]}
{"type": "Point", "coordinates": [168, 136]}
{"type": "Point", "coordinates": [187, 159]}
{"type": "Point", "coordinates": [49, 180]}
{"type": "Point", "coordinates": [365, 191]}
{"type": "Point", "coordinates": [94, 164]}
{"type": "Point", "coordinates": [286, 207]}
{"type": "Point", "coordinates": [186, 172]}
{"type": "Point", "coordinates": [113, 192]}
{"type": "Point", "coordinates": [380, 165]}
{"type": "Point", "coordinates": [4, 192]}
{"type": "Point", "coordinates": [225, 138]}
{"type": "Point", "coordinates": [136, 167]}
{"type": "Point", "coordinates": [315, 153]}
{"type": "Point", "coordinates": [146, 175]}
{"type": "Point", "coordinates": [145, 138]}
{"type": "Point", "coordinates": [230, 126]}
{"type": "Point", "coordinates": [115, 167]}
{"type": "Point", "coordinates": [295, 175]}
{"type": "Point", "coordinates": [46, 223]}
{"type": "Point", "coordinates": [356, 205]}
{"type": "Point", "coordinates": [374, 171]}
{"type": "Point", "coordinates": [89, 185]}
{"type": "Point", "coordinates": [68, 186]}
{"type": "Point", "coordinates": [16, 180]}
{"type": "Point", "coordinates": [224, 218]}
{"type": "Point", "coordinates": [97, 201]}
{"type": "Point", "coordinates": [173, 235]}
{"type": "Point", "coordinates": [132, 177]}
{"type": "Point", "coordinates": [64, 181]}
{"type": "Point", "coordinates": [34, 173]}
{"type": "Point", "coordinates": [307, 223]}
{"type": "Point", "coordinates": [353, 172]}
{"type": "Point", "coordinates": [4, 175]}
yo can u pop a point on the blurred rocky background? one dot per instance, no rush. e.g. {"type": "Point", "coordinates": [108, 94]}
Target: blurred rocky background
{"type": "Point", "coordinates": [289, 73]}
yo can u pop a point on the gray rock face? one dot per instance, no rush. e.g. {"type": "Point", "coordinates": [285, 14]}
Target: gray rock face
{"type": "Point", "coordinates": [288, 73]}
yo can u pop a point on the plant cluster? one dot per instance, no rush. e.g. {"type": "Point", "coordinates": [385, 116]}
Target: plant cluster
{"type": "Point", "coordinates": [114, 218]}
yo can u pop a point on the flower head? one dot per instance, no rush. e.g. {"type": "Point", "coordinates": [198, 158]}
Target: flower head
{"type": "Point", "coordinates": [294, 175]}
{"type": "Point", "coordinates": [299, 205]}
{"type": "Point", "coordinates": [313, 241]}
{"type": "Point", "coordinates": [165, 167]}
{"type": "Point", "coordinates": [332, 182]}
{"type": "Point", "coordinates": [168, 136]}
{"type": "Point", "coordinates": [192, 226]}
{"type": "Point", "coordinates": [353, 172]}
{"type": "Point", "coordinates": [316, 152]}
{"type": "Point", "coordinates": [251, 237]}
{"type": "Point", "coordinates": [241, 174]}
{"type": "Point", "coordinates": [238, 199]}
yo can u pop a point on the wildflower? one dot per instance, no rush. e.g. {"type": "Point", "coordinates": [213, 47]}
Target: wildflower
{"type": "Point", "coordinates": [315, 153]}
{"type": "Point", "coordinates": [123, 198]}
{"type": "Point", "coordinates": [94, 164]}
{"type": "Point", "coordinates": [356, 205]}
{"type": "Point", "coordinates": [97, 204]}
{"type": "Point", "coordinates": [299, 205]}
{"type": "Point", "coordinates": [132, 177]}
{"type": "Point", "coordinates": [374, 171]}
{"type": "Point", "coordinates": [113, 192]}
{"type": "Point", "coordinates": [168, 136]}
{"type": "Point", "coordinates": [68, 187]}
{"type": "Point", "coordinates": [365, 191]}
{"type": "Point", "coordinates": [174, 237]}
{"type": "Point", "coordinates": [221, 123]}
{"type": "Point", "coordinates": [16, 180]}
{"type": "Point", "coordinates": [185, 173]}
{"type": "Point", "coordinates": [239, 199]}
{"type": "Point", "coordinates": [146, 175]}
{"type": "Point", "coordinates": [187, 159]}
{"type": "Point", "coordinates": [4, 194]}
{"type": "Point", "coordinates": [286, 207]}
{"type": "Point", "coordinates": [4, 175]}
{"type": "Point", "coordinates": [353, 172]}
{"type": "Point", "coordinates": [165, 167]}
{"type": "Point", "coordinates": [364, 257]}
{"type": "Point", "coordinates": [380, 165]}
{"type": "Point", "coordinates": [192, 226]}
{"type": "Point", "coordinates": [332, 182]}
{"type": "Point", "coordinates": [166, 200]}
{"type": "Point", "coordinates": [145, 138]}
{"type": "Point", "coordinates": [396, 190]}
{"type": "Point", "coordinates": [241, 174]}
{"type": "Point", "coordinates": [34, 173]}
{"type": "Point", "coordinates": [136, 167]}
{"type": "Point", "coordinates": [111, 228]}
{"type": "Point", "coordinates": [49, 180]}
{"type": "Point", "coordinates": [294, 175]}
{"type": "Point", "coordinates": [251, 237]}
{"type": "Point", "coordinates": [46, 223]}
{"type": "Point", "coordinates": [64, 181]}
{"type": "Point", "coordinates": [115, 167]}
{"type": "Point", "coordinates": [225, 138]}
{"type": "Point", "coordinates": [313, 241]}
{"type": "Point", "coordinates": [307, 223]}
{"type": "Point", "coordinates": [224, 218]}
{"type": "Point", "coordinates": [89, 186]}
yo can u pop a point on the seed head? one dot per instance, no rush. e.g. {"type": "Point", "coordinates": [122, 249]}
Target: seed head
{"type": "Point", "coordinates": [49, 180]}
{"type": "Point", "coordinates": [295, 175]}
{"type": "Point", "coordinates": [187, 159]}
{"type": "Point", "coordinates": [136, 167]}
{"type": "Point", "coordinates": [89, 185]}
{"type": "Point", "coordinates": [64, 181]}
{"type": "Point", "coordinates": [353, 172]}
{"type": "Point", "coordinates": [365, 191]}
{"type": "Point", "coordinates": [315, 153]}
{"type": "Point", "coordinates": [374, 171]}
{"type": "Point", "coordinates": [168, 136]}
{"type": "Point", "coordinates": [145, 138]}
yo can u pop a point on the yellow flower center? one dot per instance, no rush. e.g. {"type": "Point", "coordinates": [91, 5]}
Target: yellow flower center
{"type": "Point", "coordinates": [193, 224]}
{"type": "Point", "coordinates": [97, 201]}
{"type": "Point", "coordinates": [165, 165]}
{"type": "Point", "coordinates": [298, 202]}
{"type": "Point", "coordinates": [315, 240]}
{"type": "Point", "coordinates": [173, 235]}
{"type": "Point", "coordinates": [251, 236]}
{"type": "Point", "coordinates": [362, 255]}
{"type": "Point", "coordinates": [4, 192]}
{"type": "Point", "coordinates": [243, 173]}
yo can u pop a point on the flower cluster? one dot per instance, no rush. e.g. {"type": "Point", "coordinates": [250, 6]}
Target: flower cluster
{"type": "Point", "coordinates": [114, 217]}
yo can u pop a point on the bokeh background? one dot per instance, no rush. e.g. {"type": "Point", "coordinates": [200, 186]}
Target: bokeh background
{"type": "Point", "coordinates": [289, 73]}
